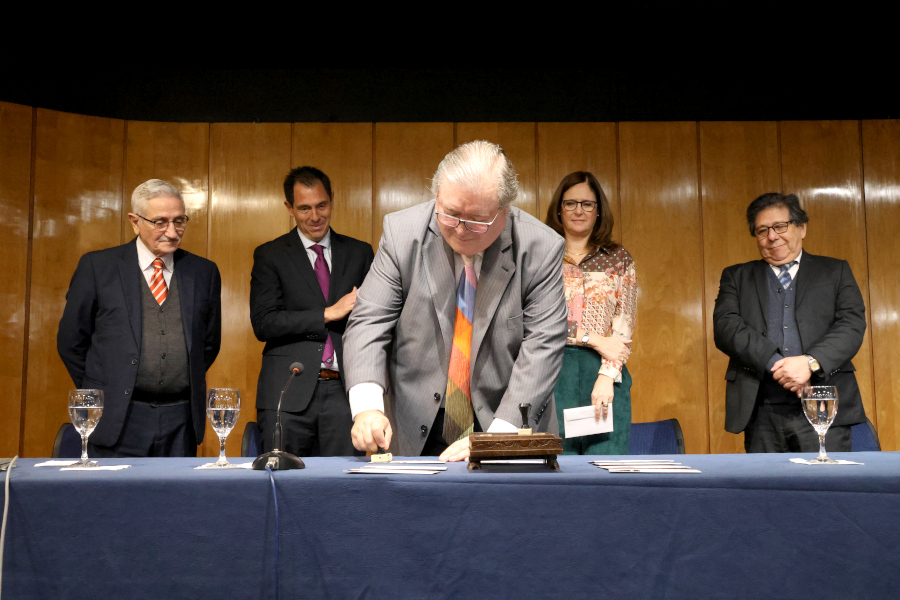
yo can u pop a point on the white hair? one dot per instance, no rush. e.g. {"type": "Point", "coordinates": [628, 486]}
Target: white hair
{"type": "Point", "coordinates": [150, 189]}
{"type": "Point", "coordinates": [481, 167]}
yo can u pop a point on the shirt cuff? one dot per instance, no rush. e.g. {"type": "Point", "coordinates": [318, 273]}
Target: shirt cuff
{"type": "Point", "coordinates": [501, 426]}
{"type": "Point", "coordinates": [610, 371]}
{"type": "Point", "coordinates": [365, 396]}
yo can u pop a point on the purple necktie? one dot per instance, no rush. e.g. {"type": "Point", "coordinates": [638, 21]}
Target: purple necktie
{"type": "Point", "coordinates": [324, 277]}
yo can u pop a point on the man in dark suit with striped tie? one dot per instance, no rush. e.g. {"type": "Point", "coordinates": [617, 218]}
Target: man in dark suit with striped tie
{"type": "Point", "coordinates": [789, 320]}
{"type": "Point", "coordinates": [143, 323]}
{"type": "Point", "coordinates": [302, 288]}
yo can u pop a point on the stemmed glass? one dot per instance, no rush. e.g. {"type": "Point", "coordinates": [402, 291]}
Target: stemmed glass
{"type": "Point", "coordinates": [820, 404]}
{"type": "Point", "coordinates": [85, 408]}
{"type": "Point", "coordinates": [223, 408]}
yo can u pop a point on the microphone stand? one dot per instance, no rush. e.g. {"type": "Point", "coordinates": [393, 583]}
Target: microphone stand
{"type": "Point", "coordinates": [278, 460]}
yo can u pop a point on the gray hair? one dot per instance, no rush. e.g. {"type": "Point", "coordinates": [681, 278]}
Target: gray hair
{"type": "Point", "coordinates": [481, 167]}
{"type": "Point", "coordinates": [150, 189]}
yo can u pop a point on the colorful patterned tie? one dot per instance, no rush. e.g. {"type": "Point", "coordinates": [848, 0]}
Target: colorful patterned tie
{"type": "Point", "coordinates": [158, 282]}
{"type": "Point", "coordinates": [459, 419]}
{"type": "Point", "coordinates": [784, 277]}
{"type": "Point", "coordinates": [324, 277]}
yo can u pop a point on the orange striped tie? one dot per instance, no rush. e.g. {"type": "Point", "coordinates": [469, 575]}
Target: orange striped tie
{"type": "Point", "coordinates": [158, 282]}
{"type": "Point", "coordinates": [459, 419]}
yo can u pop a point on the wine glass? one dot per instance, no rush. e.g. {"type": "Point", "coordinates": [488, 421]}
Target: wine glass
{"type": "Point", "coordinates": [223, 408]}
{"type": "Point", "coordinates": [820, 404]}
{"type": "Point", "coordinates": [85, 408]}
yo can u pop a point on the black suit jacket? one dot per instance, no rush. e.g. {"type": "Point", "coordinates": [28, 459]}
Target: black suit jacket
{"type": "Point", "coordinates": [831, 318]}
{"type": "Point", "coordinates": [99, 337]}
{"type": "Point", "coordinates": [287, 311]}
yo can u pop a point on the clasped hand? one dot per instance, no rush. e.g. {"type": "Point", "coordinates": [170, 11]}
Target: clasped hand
{"type": "Point", "coordinates": [792, 373]}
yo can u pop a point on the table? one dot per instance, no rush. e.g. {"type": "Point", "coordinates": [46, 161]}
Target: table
{"type": "Point", "coordinates": [749, 526]}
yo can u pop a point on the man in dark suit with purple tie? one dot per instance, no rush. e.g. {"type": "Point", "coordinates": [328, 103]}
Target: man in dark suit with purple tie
{"type": "Point", "coordinates": [302, 289]}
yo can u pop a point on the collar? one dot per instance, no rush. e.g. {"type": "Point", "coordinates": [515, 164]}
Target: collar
{"type": "Point", "coordinates": [325, 242]}
{"type": "Point", "coordinates": [146, 258]}
{"type": "Point", "coordinates": [796, 266]}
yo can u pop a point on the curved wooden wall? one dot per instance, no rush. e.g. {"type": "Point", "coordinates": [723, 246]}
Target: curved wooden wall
{"type": "Point", "coordinates": [678, 191]}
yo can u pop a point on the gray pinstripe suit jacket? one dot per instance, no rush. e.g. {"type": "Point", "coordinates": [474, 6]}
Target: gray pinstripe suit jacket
{"type": "Point", "coordinates": [401, 329]}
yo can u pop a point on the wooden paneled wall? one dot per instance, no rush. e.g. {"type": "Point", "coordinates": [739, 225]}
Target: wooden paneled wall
{"type": "Point", "coordinates": [679, 191]}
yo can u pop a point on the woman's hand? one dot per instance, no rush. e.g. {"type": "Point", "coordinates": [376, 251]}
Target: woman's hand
{"type": "Point", "coordinates": [602, 396]}
{"type": "Point", "coordinates": [609, 348]}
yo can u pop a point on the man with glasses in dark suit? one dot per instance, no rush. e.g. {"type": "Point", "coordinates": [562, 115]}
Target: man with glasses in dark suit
{"type": "Point", "coordinates": [143, 323]}
{"type": "Point", "coordinates": [787, 321]}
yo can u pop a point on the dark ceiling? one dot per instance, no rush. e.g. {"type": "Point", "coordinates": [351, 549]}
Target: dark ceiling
{"type": "Point", "coordinates": [702, 92]}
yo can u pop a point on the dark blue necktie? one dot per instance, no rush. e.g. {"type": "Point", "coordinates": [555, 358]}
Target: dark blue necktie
{"type": "Point", "coordinates": [784, 277]}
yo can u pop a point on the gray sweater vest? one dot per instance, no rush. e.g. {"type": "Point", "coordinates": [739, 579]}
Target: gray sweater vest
{"type": "Point", "coordinates": [783, 332]}
{"type": "Point", "coordinates": [163, 371]}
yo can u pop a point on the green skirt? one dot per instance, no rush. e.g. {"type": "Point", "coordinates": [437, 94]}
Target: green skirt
{"type": "Point", "coordinates": [574, 387]}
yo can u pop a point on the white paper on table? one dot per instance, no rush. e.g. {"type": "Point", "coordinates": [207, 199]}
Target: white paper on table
{"type": "Point", "coordinates": [801, 461]}
{"type": "Point", "coordinates": [56, 463]}
{"type": "Point", "coordinates": [580, 421]}
{"type": "Point", "coordinates": [389, 471]}
{"type": "Point", "coordinates": [248, 465]}
{"type": "Point", "coordinates": [97, 468]}
{"type": "Point", "coordinates": [653, 470]}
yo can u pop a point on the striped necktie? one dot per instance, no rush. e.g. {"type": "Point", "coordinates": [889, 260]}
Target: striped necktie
{"type": "Point", "coordinates": [459, 419]}
{"type": "Point", "coordinates": [784, 276]}
{"type": "Point", "coordinates": [158, 282]}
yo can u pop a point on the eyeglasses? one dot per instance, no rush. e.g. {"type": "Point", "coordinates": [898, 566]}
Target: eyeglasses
{"type": "Point", "coordinates": [161, 225]}
{"type": "Point", "coordinates": [473, 226]}
{"type": "Point", "coordinates": [762, 232]}
{"type": "Point", "coordinates": [586, 205]}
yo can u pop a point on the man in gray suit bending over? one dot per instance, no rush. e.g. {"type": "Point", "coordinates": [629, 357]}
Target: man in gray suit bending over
{"type": "Point", "coordinates": [461, 318]}
{"type": "Point", "coordinates": [789, 320]}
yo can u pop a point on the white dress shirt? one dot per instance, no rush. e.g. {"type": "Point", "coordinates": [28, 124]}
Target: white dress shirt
{"type": "Point", "coordinates": [793, 270]}
{"type": "Point", "coordinates": [146, 258]}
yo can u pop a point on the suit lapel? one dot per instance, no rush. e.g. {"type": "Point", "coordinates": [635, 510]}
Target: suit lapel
{"type": "Point", "coordinates": [439, 273]}
{"type": "Point", "coordinates": [761, 285]}
{"type": "Point", "coordinates": [296, 255]}
{"type": "Point", "coordinates": [186, 294]}
{"type": "Point", "coordinates": [132, 279]}
{"type": "Point", "coordinates": [338, 262]}
{"type": "Point", "coordinates": [805, 274]}
{"type": "Point", "coordinates": [497, 268]}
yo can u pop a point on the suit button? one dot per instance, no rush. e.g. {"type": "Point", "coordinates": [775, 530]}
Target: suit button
{"type": "Point", "coordinates": [424, 430]}
{"type": "Point", "coordinates": [134, 361]}
{"type": "Point", "coordinates": [162, 332]}
{"type": "Point", "coordinates": [163, 356]}
{"type": "Point", "coordinates": [127, 392]}
{"type": "Point", "coordinates": [437, 397]}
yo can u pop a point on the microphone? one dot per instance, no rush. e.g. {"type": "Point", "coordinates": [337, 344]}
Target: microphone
{"type": "Point", "coordinates": [277, 460]}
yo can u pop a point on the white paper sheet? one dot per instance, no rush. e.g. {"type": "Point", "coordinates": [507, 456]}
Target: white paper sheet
{"type": "Point", "coordinates": [580, 421]}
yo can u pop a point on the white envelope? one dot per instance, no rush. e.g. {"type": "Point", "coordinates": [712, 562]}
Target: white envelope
{"type": "Point", "coordinates": [580, 421]}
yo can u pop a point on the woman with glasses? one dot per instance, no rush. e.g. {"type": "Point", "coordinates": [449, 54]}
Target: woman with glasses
{"type": "Point", "coordinates": [601, 294]}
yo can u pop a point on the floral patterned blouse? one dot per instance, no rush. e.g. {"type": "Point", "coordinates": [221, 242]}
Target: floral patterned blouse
{"type": "Point", "coordinates": [601, 294]}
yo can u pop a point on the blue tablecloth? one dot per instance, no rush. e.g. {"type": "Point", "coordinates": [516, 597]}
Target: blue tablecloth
{"type": "Point", "coordinates": [749, 526]}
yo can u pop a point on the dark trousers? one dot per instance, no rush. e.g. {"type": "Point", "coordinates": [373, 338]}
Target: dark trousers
{"type": "Point", "coordinates": [323, 429]}
{"type": "Point", "coordinates": [784, 428]}
{"type": "Point", "coordinates": [153, 430]}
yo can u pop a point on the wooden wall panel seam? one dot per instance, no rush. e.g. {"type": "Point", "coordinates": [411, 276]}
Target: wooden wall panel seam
{"type": "Point", "coordinates": [26, 337]}
{"type": "Point", "coordinates": [699, 200]}
{"type": "Point", "coordinates": [780, 157]}
{"type": "Point", "coordinates": [867, 299]}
